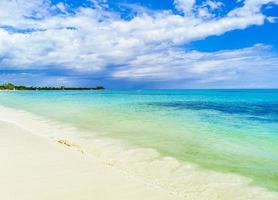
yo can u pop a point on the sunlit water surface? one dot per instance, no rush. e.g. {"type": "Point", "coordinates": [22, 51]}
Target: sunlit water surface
{"type": "Point", "coordinates": [224, 130]}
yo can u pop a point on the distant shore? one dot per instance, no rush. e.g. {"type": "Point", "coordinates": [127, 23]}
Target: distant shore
{"type": "Point", "coordinates": [10, 86]}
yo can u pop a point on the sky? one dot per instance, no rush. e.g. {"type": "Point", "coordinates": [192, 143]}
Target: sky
{"type": "Point", "coordinates": [140, 44]}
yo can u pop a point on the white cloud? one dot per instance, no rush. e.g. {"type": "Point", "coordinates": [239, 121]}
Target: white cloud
{"type": "Point", "coordinates": [175, 64]}
{"type": "Point", "coordinates": [38, 35]}
{"type": "Point", "coordinates": [185, 6]}
{"type": "Point", "coordinates": [213, 5]}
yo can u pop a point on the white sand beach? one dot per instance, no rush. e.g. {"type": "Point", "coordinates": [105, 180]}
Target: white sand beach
{"type": "Point", "coordinates": [34, 167]}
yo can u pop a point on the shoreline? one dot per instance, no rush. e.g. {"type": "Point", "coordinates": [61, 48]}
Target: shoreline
{"type": "Point", "coordinates": [36, 168]}
{"type": "Point", "coordinates": [158, 175]}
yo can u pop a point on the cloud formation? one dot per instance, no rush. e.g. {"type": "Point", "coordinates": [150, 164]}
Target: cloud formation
{"type": "Point", "coordinates": [37, 35]}
{"type": "Point", "coordinates": [232, 66]}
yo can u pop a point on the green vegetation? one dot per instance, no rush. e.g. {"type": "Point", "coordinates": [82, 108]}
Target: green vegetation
{"type": "Point", "coordinates": [10, 86]}
{"type": "Point", "coordinates": [7, 86]}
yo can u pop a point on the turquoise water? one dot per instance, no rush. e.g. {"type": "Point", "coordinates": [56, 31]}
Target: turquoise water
{"type": "Point", "coordinates": [233, 131]}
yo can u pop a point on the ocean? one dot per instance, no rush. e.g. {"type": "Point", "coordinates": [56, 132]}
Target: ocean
{"type": "Point", "coordinates": [229, 131]}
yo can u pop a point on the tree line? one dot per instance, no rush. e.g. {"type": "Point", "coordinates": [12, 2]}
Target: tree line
{"type": "Point", "coordinates": [10, 86]}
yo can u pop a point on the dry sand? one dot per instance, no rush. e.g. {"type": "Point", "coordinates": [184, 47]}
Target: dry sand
{"type": "Point", "coordinates": [34, 168]}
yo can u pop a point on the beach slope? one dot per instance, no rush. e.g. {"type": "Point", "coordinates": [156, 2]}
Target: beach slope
{"type": "Point", "coordinates": [33, 168]}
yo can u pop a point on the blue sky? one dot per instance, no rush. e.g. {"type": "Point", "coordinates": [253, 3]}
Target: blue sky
{"type": "Point", "coordinates": [136, 44]}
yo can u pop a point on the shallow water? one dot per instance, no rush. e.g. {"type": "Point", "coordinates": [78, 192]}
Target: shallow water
{"type": "Point", "coordinates": [224, 130]}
